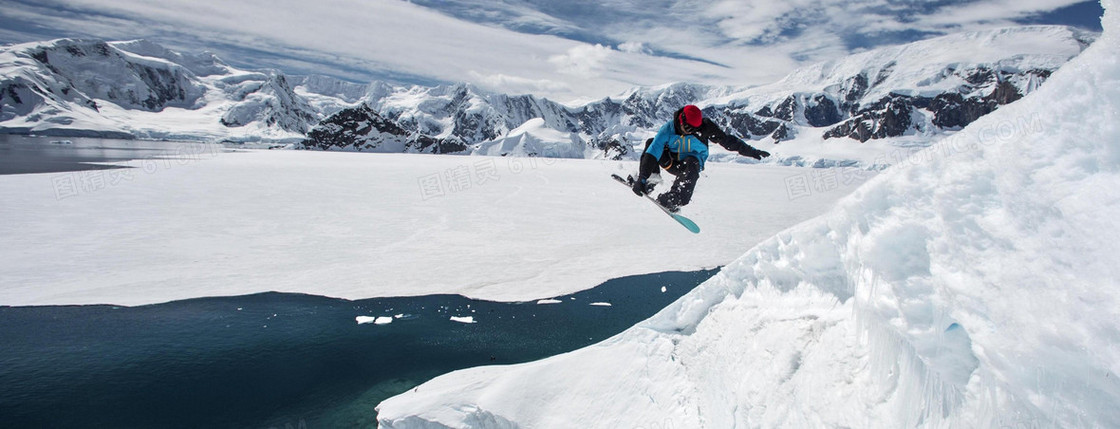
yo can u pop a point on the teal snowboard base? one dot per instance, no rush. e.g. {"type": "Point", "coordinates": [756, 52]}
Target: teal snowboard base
{"type": "Point", "coordinates": [684, 221]}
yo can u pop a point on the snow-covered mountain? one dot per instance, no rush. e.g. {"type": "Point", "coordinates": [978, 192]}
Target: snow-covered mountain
{"type": "Point", "coordinates": [976, 288]}
{"type": "Point", "coordinates": [921, 90]}
{"type": "Point", "coordinates": [465, 119]}
{"type": "Point", "coordinates": [140, 89]}
{"type": "Point", "coordinates": [904, 96]}
{"type": "Point", "coordinates": [941, 83]}
{"type": "Point", "coordinates": [267, 99]}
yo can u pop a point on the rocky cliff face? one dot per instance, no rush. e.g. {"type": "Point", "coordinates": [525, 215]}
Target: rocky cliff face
{"type": "Point", "coordinates": [362, 129]}
{"type": "Point", "coordinates": [847, 113]}
{"type": "Point", "coordinates": [892, 115]}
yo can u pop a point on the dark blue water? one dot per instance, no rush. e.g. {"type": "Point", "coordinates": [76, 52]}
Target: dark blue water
{"type": "Point", "coordinates": [26, 154]}
{"type": "Point", "coordinates": [282, 360]}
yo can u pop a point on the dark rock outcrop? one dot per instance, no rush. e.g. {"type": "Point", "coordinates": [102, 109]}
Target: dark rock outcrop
{"type": "Point", "coordinates": [361, 128]}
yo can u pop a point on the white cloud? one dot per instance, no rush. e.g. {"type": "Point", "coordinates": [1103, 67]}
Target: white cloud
{"type": "Point", "coordinates": [585, 61]}
{"type": "Point", "coordinates": [516, 84]}
{"type": "Point", "coordinates": [756, 20]}
{"type": "Point", "coordinates": [989, 13]}
{"type": "Point", "coordinates": [718, 42]}
{"type": "Point", "coordinates": [634, 48]}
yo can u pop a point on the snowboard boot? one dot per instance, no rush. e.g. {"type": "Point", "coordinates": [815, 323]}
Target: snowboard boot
{"type": "Point", "coordinates": [669, 201]}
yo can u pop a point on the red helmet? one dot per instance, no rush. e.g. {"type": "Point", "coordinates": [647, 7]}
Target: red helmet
{"type": "Point", "coordinates": [692, 116]}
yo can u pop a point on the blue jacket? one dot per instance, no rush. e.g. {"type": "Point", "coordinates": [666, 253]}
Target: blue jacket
{"type": "Point", "coordinates": [670, 138]}
{"type": "Point", "coordinates": [681, 146]}
{"type": "Point", "coordinates": [672, 146]}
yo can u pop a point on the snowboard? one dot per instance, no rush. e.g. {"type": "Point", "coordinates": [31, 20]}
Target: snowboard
{"type": "Point", "coordinates": [684, 221]}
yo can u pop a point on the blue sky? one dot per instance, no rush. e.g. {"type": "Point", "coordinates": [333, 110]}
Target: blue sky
{"type": "Point", "coordinates": [572, 50]}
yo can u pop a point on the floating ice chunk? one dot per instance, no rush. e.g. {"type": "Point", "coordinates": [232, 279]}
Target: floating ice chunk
{"type": "Point", "coordinates": [468, 319]}
{"type": "Point", "coordinates": [601, 304]}
{"type": "Point", "coordinates": [362, 320]}
{"type": "Point", "coordinates": [549, 301]}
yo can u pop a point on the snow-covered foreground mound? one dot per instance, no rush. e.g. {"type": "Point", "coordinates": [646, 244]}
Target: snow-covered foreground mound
{"type": "Point", "coordinates": [976, 286]}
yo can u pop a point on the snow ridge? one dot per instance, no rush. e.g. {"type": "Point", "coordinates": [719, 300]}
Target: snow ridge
{"type": "Point", "coordinates": [971, 286]}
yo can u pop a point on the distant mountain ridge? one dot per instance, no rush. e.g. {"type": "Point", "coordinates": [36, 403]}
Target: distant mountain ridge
{"type": "Point", "coordinates": [920, 89]}
{"type": "Point", "coordinates": [138, 89]}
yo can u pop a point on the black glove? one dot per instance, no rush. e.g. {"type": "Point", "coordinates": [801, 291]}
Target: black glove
{"type": "Point", "coordinates": [754, 153]}
{"type": "Point", "coordinates": [640, 186]}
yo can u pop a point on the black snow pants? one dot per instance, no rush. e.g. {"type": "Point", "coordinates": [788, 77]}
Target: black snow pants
{"type": "Point", "coordinates": [686, 170]}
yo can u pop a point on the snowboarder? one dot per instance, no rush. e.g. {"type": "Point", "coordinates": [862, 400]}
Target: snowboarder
{"type": "Point", "coordinates": [681, 147]}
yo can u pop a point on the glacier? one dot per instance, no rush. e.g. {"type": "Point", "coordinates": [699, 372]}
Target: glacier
{"type": "Point", "coordinates": [972, 285]}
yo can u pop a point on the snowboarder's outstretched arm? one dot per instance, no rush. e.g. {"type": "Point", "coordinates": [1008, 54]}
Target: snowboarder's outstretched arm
{"type": "Point", "coordinates": [713, 133]}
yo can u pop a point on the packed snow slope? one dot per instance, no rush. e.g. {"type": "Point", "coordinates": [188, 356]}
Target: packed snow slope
{"type": "Point", "coordinates": [973, 286]}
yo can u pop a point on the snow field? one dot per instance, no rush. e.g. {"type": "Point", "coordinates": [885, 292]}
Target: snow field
{"type": "Point", "coordinates": [975, 288]}
{"type": "Point", "coordinates": [368, 225]}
